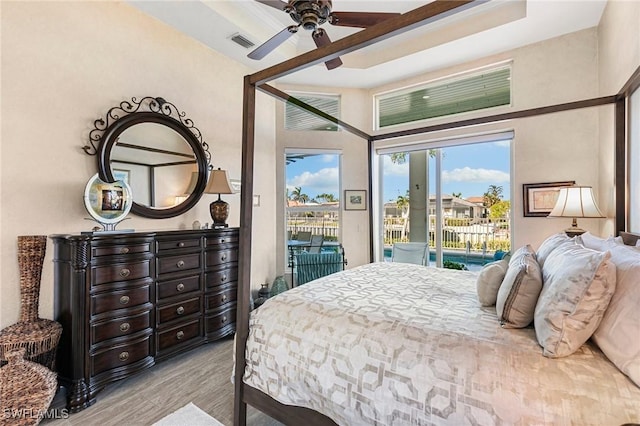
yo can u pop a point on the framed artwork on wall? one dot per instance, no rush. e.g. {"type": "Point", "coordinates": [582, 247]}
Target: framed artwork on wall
{"type": "Point", "coordinates": [539, 198]}
{"type": "Point", "coordinates": [355, 199]}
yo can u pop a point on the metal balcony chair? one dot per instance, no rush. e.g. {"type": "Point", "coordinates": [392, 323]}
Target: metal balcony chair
{"type": "Point", "coordinates": [316, 244]}
{"type": "Point", "coordinates": [415, 253]}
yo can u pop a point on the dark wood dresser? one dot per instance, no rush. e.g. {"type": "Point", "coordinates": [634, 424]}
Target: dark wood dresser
{"type": "Point", "coordinates": [129, 300]}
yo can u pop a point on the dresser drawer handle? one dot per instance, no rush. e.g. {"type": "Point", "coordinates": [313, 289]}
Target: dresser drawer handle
{"type": "Point", "coordinates": [224, 297]}
{"type": "Point", "coordinates": [223, 278]}
{"type": "Point", "coordinates": [124, 300]}
{"type": "Point", "coordinates": [124, 250]}
{"type": "Point", "coordinates": [180, 335]}
{"type": "Point", "coordinates": [224, 319]}
{"type": "Point", "coordinates": [180, 287]}
{"type": "Point", "coordinates": [125, 272]}
{"type": "Point", "coordinates": [180, 310]}
{"type": "Point", "coordinates": [180, 244]}
{"type": "Point", "coordinates": [222, 241]}
{"type": "Point", "coordinates": [223, 257]}
{"type": "Point", "coordinates": [180, 264]}
{"type": "Point", "coordinates": [125, 326]}
{"type": "Point", "coordinates": [123, 356]}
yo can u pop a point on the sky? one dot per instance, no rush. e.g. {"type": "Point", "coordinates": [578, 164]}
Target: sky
{"type": "Point", "coordinates": [468, 169]}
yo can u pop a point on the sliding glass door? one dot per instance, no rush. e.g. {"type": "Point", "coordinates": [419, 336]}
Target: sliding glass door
{"type": "Point", "coordinates": [454, 196]}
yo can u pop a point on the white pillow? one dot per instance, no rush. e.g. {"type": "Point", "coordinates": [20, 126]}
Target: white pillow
{"type": "Point", "coordinates": [489, 280]}
{"type": "Point", "coordinates": [596, 243]}
{"type": "Point", "coordinates": [549, 245]}
{"type": "Point", "coordinates": [519, 290]}
{"type": "Point", "coordinates": [578, 285]}
{"type": "Point", "coordinates": [619, 332]}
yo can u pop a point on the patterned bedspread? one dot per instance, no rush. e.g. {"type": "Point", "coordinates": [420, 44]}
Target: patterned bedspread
{"type": "Point", "coordinates": [401, 344]}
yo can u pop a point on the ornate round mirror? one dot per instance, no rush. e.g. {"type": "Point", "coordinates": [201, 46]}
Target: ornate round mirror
{"type": "Point", "coordinates": [151, 146]}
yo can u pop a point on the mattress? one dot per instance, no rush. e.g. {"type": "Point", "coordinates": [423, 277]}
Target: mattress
{"type": "Point", "coordinates": [399, 344]}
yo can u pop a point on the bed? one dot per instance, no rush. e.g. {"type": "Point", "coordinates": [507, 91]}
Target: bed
{"type": "Point", "coordinates": [496, 376]}
{"type": "Point", "coordinates": [393, 343]}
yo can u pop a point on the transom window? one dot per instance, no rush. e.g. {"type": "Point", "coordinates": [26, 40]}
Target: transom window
{"type": "Point", "coordinates": [296, 118]}
{"type": "Point", "coordinates": [472, 92]}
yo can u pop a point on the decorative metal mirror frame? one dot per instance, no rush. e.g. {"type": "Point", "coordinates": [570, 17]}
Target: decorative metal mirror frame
{"type": "Point", "coordinates": [104, 136]}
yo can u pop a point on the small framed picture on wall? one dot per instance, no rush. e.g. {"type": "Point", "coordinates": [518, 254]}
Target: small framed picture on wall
{"type": "Point", "coordinates": [539, 198]}
{"type": "Point", "coordinates": [355, 199]}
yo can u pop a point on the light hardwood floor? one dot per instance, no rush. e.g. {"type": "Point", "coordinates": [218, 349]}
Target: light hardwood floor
{"type": "Point", "coordinates": [201, 376]}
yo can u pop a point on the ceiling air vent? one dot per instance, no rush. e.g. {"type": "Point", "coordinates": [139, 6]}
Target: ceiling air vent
{"type": "Point", "coordinates": [242, 41]}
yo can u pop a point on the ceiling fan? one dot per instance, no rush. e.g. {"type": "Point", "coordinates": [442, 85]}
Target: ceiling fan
{"type": "Point", "coordinates": [310, 14]}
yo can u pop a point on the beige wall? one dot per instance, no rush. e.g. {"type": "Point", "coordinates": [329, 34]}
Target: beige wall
{"type": "Point", "coordinates": [619, 57]}
{"type": "Point", "coordinates": [64, 64]}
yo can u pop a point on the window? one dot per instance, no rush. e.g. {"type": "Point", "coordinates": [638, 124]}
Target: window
{"type": "Point", "coordinates": [471, 92]}
{"type": "Point", "coordinates": [455, 196]}
{"type": "Point", "coordinates": [296, 118]}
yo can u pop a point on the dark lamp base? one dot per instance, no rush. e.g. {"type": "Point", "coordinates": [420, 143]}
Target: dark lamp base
{"type": "Point", "coordinates": [219, 212]}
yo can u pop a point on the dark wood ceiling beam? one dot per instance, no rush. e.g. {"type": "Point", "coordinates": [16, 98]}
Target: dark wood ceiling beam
{"type": "Point", "coordinates": [423, 15]}
{"type": "Point", "coordinates": [279, 94]}
{"type": "Point", "coordinates": [587, 103]}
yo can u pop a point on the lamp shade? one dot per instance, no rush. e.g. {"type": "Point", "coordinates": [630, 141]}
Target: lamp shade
{"type": "Point", "coordinates": [576, 201]}
{"type": "Point", "coordinates": [218, 183]}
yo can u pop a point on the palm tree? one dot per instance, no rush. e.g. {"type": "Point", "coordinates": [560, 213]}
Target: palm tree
{"type": "Point", "coordinates": [492, 196]}
{"type": "Point", "coordinates": [327, 198]}
{"type": "Point", "coordinates": [299, 196]}
{"type": "Point", "coordinates": [403, 203]}
{"type": "Point", "coordinates": [456, 194]}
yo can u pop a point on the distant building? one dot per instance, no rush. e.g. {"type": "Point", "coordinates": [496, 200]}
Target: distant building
{"type": "Point", "coordinates": [454, 207]}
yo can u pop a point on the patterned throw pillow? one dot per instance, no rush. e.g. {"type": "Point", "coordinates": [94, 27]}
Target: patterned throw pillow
{"type": "Point", "coordinates": [520, 289]}
{"type": "Point", "coordinates": [578, 285]}
{"type": "Point", "coordinates": [489, 281]}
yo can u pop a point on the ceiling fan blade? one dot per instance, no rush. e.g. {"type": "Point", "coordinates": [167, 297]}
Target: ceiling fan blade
{"type": "Point", "coordinates": [359, 19]}
{"type": "Point", "coordinates": [274, 3]}
{"type": "Point", "coordinates": [265, 48]}
{"type": "Point", "coordinates": [321, 39]}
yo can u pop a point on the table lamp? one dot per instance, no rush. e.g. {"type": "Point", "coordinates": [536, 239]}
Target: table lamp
{"type": "Point", "coordinates": [219, 184]}
{"type": "Point", "coordinates": [575, 202]}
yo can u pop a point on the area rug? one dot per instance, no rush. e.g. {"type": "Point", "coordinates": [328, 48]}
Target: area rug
{"type": "Point", "coordinates": [189, 415]}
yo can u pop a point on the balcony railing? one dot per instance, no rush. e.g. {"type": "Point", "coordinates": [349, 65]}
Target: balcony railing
{"type": "Point", "coordinates": [474, 235]}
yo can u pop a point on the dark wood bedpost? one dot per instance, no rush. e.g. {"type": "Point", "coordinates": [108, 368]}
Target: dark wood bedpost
{"type": "Point", "coordinates": [244, 273]}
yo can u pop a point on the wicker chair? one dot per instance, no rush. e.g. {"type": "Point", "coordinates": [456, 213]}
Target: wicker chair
{"type": "Point", "coordinates": [27, 390]}
{"type": "Point", "coordinates": [39, 337]}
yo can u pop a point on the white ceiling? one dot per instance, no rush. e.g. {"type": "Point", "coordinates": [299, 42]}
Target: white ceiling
{"type": "Point", "coordinates": [488, 28]}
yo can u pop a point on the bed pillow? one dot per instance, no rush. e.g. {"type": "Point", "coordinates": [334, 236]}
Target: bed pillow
{"type": "Point", "coordinates": [519, 290]}
{"type": "Point", "coordinates": [489, 280]}
{"type": "Point", "coordinates": [549, 245]}
{"type": "Point", "coordinates": [596, 243]}
{"type": "Point", "coordinates": [619, 332]}
{"type": "Point", "coordinates": [578, 285]}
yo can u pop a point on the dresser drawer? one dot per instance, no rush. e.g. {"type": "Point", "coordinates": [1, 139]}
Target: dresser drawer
{"type": "Point", "coordinates": [178, 263]}
{"type": "Point", "coordinates": [119, 299]}
{"type": "Point", "coordinates": [179, 244]}
{"type": "Point", "coordinates": [120, 355]}
{"type": "Point", "coordinates": [134, 248]}
{"type": "Point", "coordinates": [119, 327]}
{"type": "Point", "coordinates": [221, 277]}
{"type": "Point", "coordinates": [220, 257]}
{"type": "Point", "coordinates": [221, 298]}
{"type": "Point", "coordinates": [229, 238]}
{"type": "Point", "coordinates": [178, 310]}
{"type": "Point", "coordinates": [179, 335]}
{"type": "Point", "coordinates": [120, 272]}
{"type": "Point", "coordinates": [179, 286]}
{"type": "Point", "coordinates": [220, 320]}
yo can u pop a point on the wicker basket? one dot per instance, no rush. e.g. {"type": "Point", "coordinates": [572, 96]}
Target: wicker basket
{"type": "Point", "coordinates": [39, 337]}
{"type": "Point", "coordinates": [27, 390]}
